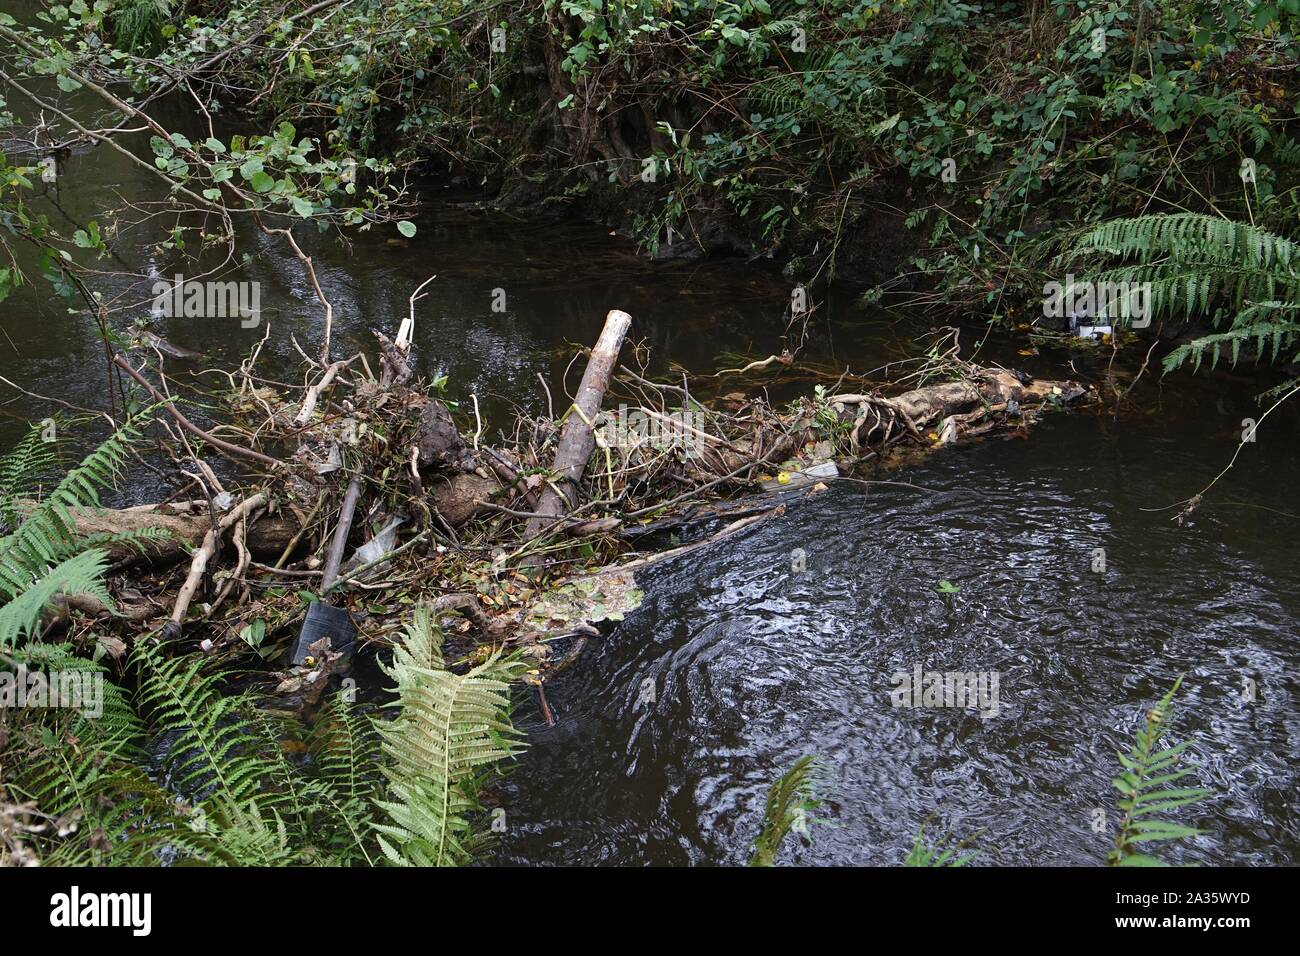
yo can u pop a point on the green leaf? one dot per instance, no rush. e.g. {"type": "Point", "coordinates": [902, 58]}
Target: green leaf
{"type": "Point", "coordinates": [406, 228]}
{"type": "Point", "coordinates": [253, 634]}
{"type": "Point", "coordinates": [1148, 830]}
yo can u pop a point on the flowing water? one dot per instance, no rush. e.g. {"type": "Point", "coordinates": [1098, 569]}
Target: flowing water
{"type": "Point", "coordinates": [752, 665]}
{"type": "Point", "coordinates": [673, 724]}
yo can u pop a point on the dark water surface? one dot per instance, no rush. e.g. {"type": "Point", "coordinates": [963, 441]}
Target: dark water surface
{"type": "Point", "coordinates": [752, 665]}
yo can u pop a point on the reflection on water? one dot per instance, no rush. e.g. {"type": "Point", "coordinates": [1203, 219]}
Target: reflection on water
{"type": "Point", "coordinates": [512, 300]}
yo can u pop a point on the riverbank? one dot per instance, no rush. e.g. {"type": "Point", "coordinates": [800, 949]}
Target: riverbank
{"type": "Point", "coordinates": [390, 457]}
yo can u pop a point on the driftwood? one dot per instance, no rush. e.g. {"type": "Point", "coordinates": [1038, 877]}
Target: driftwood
{"type": "Point", "coordinates": [314, 392]}
{"type": "Point", "coordinates": [267, 537]}
{"type": "Point", "coordinates": [990, 392]}
{"type": "Point", "coordinates": [456, 499]}
{"type": "Point", "coordinates": [204, 553]}
{"type": "Point", "coordinates": [577, 440]}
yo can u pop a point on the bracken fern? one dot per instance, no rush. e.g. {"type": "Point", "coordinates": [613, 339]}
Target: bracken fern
{"type": "Point", "coordinates": [1145, 789]}
{"type": "Point", "coordinates": [451, 729]}
{"type": "Point", "coordinates": [789, 800]}
{"type": "Point", "coordinates": [1203, 265]}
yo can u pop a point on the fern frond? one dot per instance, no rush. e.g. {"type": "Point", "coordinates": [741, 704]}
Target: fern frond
{"type": "Point", "coordinates": [23, 470]}
{"type": "Point", "coordinates": [788, 801]}
{"type": "Point", "coordinates": [136, 539]}
{"type": "Point", "coordinates": [1260, 324]}
{"type": "Point", "coordinates": [1145, 789]}
{"type": "Point", "coordinates": [217, 753]}
{"type": "Point", "coordinates": [922, 854]}
{"type": "Point", "coordinates": [47, 533]}
{"type": "Point", "coordinates": [82, 574]}
{"type": "Point", "coordinates": [137, 24]}
{"type": "Point", "coordinates": [1203, 265]}
{"type": "Point", "coordinates": [343, 749]}
{"type": "Point", "coordinates": [451, 729]}
{"type": "Point", "coordinates": [1190, 237]}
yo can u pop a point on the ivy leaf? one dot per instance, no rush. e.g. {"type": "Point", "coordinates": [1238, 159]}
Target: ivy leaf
{"type": "Point", "coordinates": [406, 228]}
{"type": "Point", "coordinates": [302, 207]}
{"type": "Point", "coordinates": [262, 182]}
{"type": "Point", "coordinates": [67, 84]}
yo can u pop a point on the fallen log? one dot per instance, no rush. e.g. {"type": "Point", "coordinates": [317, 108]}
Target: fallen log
{"type": "Point", "coordinates": [961, 402]}
{"type": "Point", "coordinates": [267, 536]}
{"type": "Point", "coordinates": [577, 439]}
{"type": "Point", "coordinates": [456, 499]}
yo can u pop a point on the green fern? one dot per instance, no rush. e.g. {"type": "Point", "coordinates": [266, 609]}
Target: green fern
{"type": "Point", "coordinates": [343, 748]}
{"type": "Point", "coordinates": [1145, 789]}
{"type": "Point", "coordinates": [47, 533]}
{"type": "Point", "coordinates": [218, 753]}
{"type": "Point", "coordinates": [1203, 265]}
{"type": "Point", "coordinates": [922, 854]}
{"type": "Point", "coordinates": [43, 556]}
{"type": "Point", "coordinates": [84, 772]}
{"type": "Point", "coordinates": [452, 729]}
{"type": "Point", "coordinates": [227, 792]}
{"type": "Point", "coordinates": [789, 801]}
{"type": "Point", "coordinates": [22, 472]}
{"type": "Point", "coordinates": [82, 574]}
{"type": "Point", "coordinates": [137, 24]}
{"type": "Point", "coordinates": [1260, 325]}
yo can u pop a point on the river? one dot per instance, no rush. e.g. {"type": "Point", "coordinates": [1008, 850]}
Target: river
{"type": "Point", "coordinates": [751, 664]}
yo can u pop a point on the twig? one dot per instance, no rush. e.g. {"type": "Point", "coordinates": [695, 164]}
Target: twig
{"type": "Point", "coordinates": [189, 426]}
{"type": "Point", "coordinates": [199, 562]}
